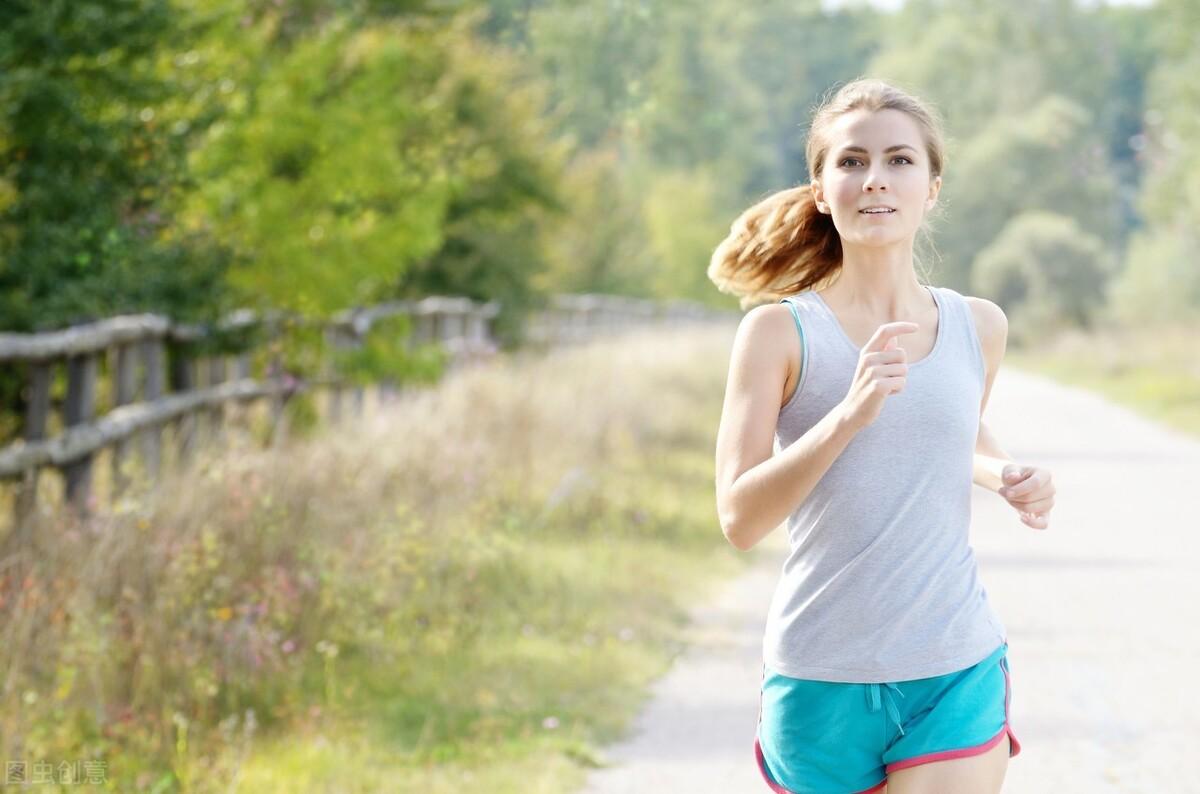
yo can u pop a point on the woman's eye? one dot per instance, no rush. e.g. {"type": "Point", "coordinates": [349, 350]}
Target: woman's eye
{"type": "Point", "coordinates": [855, 159]}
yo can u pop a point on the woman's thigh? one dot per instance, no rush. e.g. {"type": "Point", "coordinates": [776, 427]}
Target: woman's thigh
{"type": "Point", "coordinates": [975, 774]}
{"type": "Point", "coordinates": [959, 739]}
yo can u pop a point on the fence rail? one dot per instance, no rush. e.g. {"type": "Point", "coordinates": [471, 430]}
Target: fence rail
{"type": "Point", "coordinates": [156, 375]}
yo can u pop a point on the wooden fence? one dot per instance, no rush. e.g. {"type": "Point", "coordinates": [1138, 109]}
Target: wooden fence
{"type": "Point", "coordinates": [157, 379]}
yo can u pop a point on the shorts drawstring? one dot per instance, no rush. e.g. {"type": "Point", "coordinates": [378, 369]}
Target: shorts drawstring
{"type": "Point", "coordinates": [873, 702]}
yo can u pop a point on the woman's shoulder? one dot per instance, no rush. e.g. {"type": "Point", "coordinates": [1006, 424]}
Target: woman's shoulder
{"type": "Point", "coordinates": [767, 322]}
{"type": "Point", "coordinates": [779, 308]}
{"type": "Point", "coordinates": [991, 323]}
{"type": "Point", "coordinates": [767, 334]}
{"type": "Point", "coordinates": [782, 321]}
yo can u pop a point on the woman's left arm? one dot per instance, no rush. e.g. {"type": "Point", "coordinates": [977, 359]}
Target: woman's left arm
{"type": "Point", "coordinates": [1029, 489]}
{"type": "Point", "coordinates": [990, 460]}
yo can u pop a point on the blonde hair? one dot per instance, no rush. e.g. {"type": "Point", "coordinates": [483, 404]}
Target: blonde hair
{"type": "Point", "coordinates": [784, 244]}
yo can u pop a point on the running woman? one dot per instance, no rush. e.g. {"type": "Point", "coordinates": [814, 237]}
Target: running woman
{"type": "Point", "coordinates": [884, 665]}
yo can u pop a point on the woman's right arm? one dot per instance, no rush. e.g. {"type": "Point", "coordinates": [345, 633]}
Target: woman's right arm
{"type": "Point", "coordinates": [756, 490]}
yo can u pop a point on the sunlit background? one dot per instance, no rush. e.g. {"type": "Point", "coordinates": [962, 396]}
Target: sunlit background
{"type": "Point", "coordinates": [473, 581]}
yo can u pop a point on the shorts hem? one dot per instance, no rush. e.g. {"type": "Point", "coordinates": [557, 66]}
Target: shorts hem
{"type": "Point", "coordinates": [1013, 749]}
{"type": "Point", "coordinates": [778, 789]}
{"type": "Point", "coordinates": [945, 755]}
{"type": "Point", "coordinates": [762, 768]}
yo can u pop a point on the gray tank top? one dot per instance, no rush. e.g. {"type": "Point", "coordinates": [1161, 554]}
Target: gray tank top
{"type": "Point", "coordinates": [880, 583]}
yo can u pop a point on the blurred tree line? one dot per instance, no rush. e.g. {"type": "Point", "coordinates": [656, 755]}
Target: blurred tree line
{"type": "Point", "coordinates": [189, 156]}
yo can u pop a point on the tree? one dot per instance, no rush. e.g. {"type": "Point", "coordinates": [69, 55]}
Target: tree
{"type": "Point", "coordinates": [1161, 280]}
{"type": "Point", "coordinates": [1046, 271]}
{"type": "Point", "coordinates": [91, 160]}
{"type": "Point", "coordinates": [1050, 158]}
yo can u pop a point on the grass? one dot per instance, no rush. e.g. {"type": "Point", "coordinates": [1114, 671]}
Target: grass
{"type": "Point", "coordinates": [475, 586]}
{"type": "Point", "coordinates": [1152, 370]}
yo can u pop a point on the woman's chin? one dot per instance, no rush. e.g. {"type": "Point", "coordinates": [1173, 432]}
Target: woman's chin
{"type": "Point", "coordinates": [877, 237]}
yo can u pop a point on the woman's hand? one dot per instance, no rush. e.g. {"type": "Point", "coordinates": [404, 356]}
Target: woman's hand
{"type": "Point", "coordinates": [1029, 490]}
{"type": "Point", "coordinates": [882, 371]}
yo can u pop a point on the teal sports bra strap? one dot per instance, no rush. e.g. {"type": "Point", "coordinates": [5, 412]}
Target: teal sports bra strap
{"type": "Point", "coordinates": [799, 330]}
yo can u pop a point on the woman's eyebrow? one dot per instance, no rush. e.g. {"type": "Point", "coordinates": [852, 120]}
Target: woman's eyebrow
{"type": "Point", "coordinates": [897, 147]}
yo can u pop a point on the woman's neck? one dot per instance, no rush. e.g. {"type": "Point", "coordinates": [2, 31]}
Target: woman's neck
{"type": "Point", "coordinates": [878, 290]}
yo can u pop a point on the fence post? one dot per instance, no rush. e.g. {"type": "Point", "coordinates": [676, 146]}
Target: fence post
{"type": "Point", "coordinates": [275, 375]}
{"type": "Point", "coordinates": [354, 342]}
{"type": "Point", "coordinates": [152, 389]}
{"type": "Point", "coordinates": [334, 390]}
{"type": "Point", "coordinates": [389, 388]}
{"type": "Point", "coordinates": [124, 393]}
{"type": "Point", "coordinates": [79, 408]}
{"type": "Point", "coordinates": [37, 410]}
{"type": "Point", "coordinates": [216, 414]}
{"type": "Point", "coordinates": [241, 366]}
{"type": "Point", "coordinates": [183, 379]}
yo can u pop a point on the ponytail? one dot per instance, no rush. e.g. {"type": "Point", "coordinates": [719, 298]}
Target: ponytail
{"type": "Point", "coordinates": [779, 246]}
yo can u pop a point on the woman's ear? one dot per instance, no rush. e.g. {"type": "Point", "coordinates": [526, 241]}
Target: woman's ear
{"type": "Point", "coordinates": [934, 187]}
{"type": "Point", "coordinates": [818, 197]}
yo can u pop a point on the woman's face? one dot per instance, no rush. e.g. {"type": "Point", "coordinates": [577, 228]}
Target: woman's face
{"type": "Point", "coordinates": [860, 172]}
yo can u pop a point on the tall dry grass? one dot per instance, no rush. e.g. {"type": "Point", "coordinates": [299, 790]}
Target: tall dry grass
{"type": "Point", "coordinates": [261, 593]}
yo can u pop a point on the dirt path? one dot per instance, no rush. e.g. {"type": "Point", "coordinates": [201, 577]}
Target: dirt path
{"type": "Point", "coordinates": [1102, 611]}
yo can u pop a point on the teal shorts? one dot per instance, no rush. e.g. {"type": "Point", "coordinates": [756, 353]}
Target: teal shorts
{"type": "Point", "coordinates": [827, 737]}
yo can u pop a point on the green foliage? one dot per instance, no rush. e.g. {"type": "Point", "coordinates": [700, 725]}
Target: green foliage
{"type": "Point", "coordinates": [1123, 116]}
{"type": "Point", "coordinates": [684, 224]}
{"type": "Point", "coordinates": [1173, 96]}
{"type": "Point", "coordinates": [320, 154]}
{"type": "Point", "coordinates": [978, 60]}
{"type": "Point", "coordinates": [88, 168]}
{"type": "Point", "coordinates": [791, 53]}
{"type": "Point", "coordinates": [327, 153]}
{"type": "Point", "coordinates": [595, 56]}
{"type": "Point", "coordinates": [382, 355]}
{"type": "Point", "coordinates": [1047, 270]}
{"type": "Point", "coordinates": [505, 186]}
{"type": "Point", "coordinates": [651, 95]}
{"type": "Point", "coordinates": [331, 183]}
{"type": "Point", "coordinates": [92, 159]}
{"type": "Point", "coordinates": [601, 243]}
{"type": "Point", "coordinates": [1160, 278]}
{"type": "Point", "coordinates": [1047, 159]}
{"type": "Point", "coordinates": [695, 101]}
